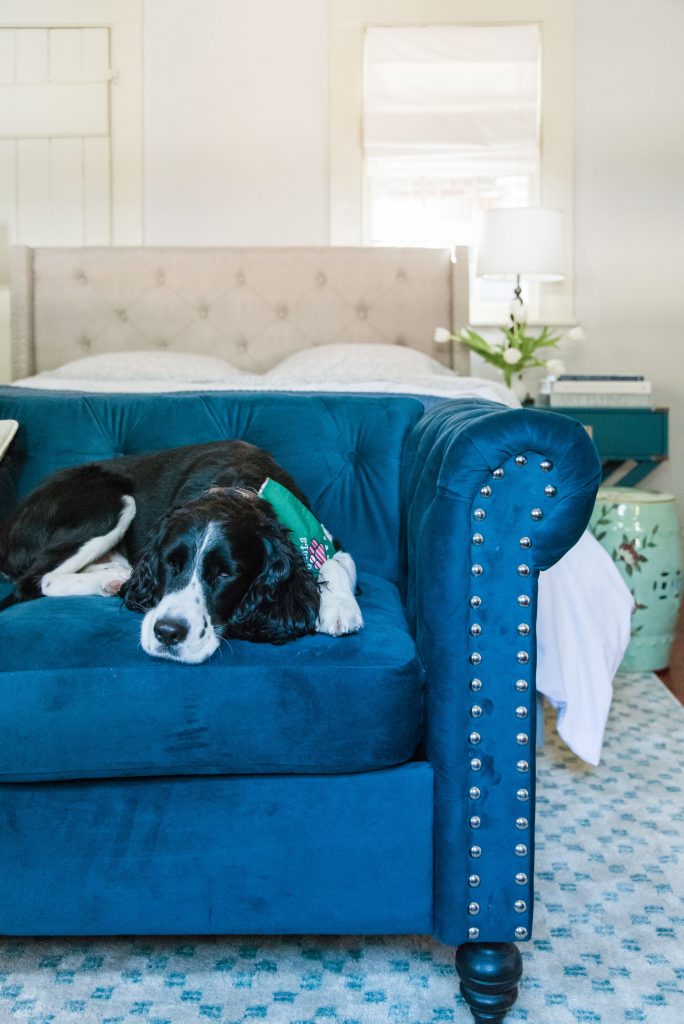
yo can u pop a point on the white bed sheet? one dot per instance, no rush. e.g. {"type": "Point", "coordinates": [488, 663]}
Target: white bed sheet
{"type": "Point", "coordinates": [584, 614]}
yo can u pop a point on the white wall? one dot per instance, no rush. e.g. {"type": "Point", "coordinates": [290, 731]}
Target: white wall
{"type": "Point", "coordinates": [236, 122]}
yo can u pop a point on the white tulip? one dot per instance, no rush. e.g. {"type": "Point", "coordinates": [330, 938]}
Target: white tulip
{"type": "Point", "coordinates": [442, 335]}
{"type": "Point", "coordinates": [555, 367]}
{"type": "Point", "coordinates": [512, 356]}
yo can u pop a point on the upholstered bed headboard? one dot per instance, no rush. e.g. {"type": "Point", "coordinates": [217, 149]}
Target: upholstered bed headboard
{"type": "Point", "coordinates": [251, 306]}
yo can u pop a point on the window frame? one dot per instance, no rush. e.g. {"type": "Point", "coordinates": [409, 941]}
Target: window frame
{"type": "Point", "coordinates": [349, 20]}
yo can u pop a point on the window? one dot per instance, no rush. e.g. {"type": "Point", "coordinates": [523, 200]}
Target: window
{"type": "Point", "coordinates": [443, 108]}
{"type": "Point", "coordinates": [450, 128]}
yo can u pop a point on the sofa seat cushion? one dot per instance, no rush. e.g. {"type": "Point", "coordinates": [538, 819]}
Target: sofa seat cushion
{"type": "Point", "coordinates": [79, 698]}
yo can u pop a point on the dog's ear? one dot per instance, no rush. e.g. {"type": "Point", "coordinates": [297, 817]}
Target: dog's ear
{"type": "Point", "coordinates": [283, 601]}
{"type": "Point", "coordinates": [145, 586]}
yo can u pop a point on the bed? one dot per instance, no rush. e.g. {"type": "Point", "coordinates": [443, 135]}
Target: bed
{"type": "Point", "coordinates": [316, 320]}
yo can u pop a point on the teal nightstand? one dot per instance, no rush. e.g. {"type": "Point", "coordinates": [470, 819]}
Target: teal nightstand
{"type": "Point", "coordinates": [623, 437]}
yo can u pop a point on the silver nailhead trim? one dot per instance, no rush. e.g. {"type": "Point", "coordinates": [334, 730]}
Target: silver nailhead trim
{"type": "Point", "coordinates": [521, 711]}
{"type": "Point", "coordinates": [479, 514]}
{"type": "Point", "coordinates": [474, 793]}
{"type": "Point", "coordinates": [475, 764]}
{"type": "Point", "coordinates": [520, 933]}
{"type": "Point", "coordinates": [475, 821]}
{"type": "Point", "coordinates": [521, 685]}
{"type": "Point", "coordinates": [525, 542]}
{"type": "Point", "coordinates": [498, 473]}
{"type": "Point", "coordinates": [537, 514]}
{"type": "Point", "coordinates": [475, 601]}
{"type": "Point", "coordinates": [523, 766]}
{"type": "Point", "coordinates": [523, 794]}
{"type": "Point", "coordinates": [473, 881]}
{"type": "Point", "coordinates": [478, 538]}
{"type": "Point", "coordinates": [523, 570]}
{"type": "Point", "coordinates": [520, 850]}
{"type": "Point", "coordinates": [475, 658]}
{"type": "Point", "coordinates": [550, 491]}
{"type": "Point", "coordinates": [474, 933]}
{"type": "Point", "coordinates": [522, 738]}
{"type": "Point", "coordinates": [486, 491]}
{"type": "Point", "coordinates": [476, 570]}
{"type": "Point", "coordinates": [474, 738]}
{"type": "Point", "coordinates": [520, 906]}
{"type": "Point", "coordinates": [473, 908]}
{"type": "Point", "coordinates": [546, 465]}
{"type": "Point", "coordinates": [475, 851]}
{"type": "Point", "coordinates": [521, 823]}
{"type": "Point", "coordinates": [475, 685]}
{"type": "Point", "coordinates": [520, 460]}
{"type": "Point", "coordinates": [476, 711]}
{"type": "Point", "coordinates": [523, 657]}
{"type": "Point", "coordinates": [521, 878]}
{"type": "Point", "coordinates": [524, 601]}
{"type": "Point", "coordinates": [523, 629]}
{"type": "Point", "coordinates": [476, 629]}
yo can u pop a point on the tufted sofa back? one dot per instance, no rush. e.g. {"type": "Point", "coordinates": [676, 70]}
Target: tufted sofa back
{"type": "Point", "coordinates": [344, 451]}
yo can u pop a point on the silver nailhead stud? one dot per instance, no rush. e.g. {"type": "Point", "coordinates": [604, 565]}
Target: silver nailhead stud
{"type": "Point", "coordinates": [521, 685]}
{"type": "Point", "coordinates": [475, 821]}
{"type": "Point", "coordinates": [479, 514]}
{"type": "Point", "coordinates": [521, 712]}
{"type": "Point", "coordinates": [475, 601]}
{"type": "Point", "coordinates": [549, 490]}
{"type": "Point", "coordinates": [474, 792]}
{"type": "Point", "coordinates": [546, 465]}
{"type": "Point", "coordinates": [474, 933]}
{"type": "Point", "coordinates": [523, 657]}
{"type": "Point", "coordinates": [475, 684]}
{"type": "Point", "coordinates": [475, 629]}
{"type": "Point", "coordinates": [476, 851]}
{"type": "Point", "coordinates": [520, 933]}
{"type": "Point", "coordinates": [475, 764]}
{"type": "Point", "coordinates": [473, 908]}
{"type": "Point", "coordinates": [474, 738]}
{"type": "Point", "coordinates": [525, 542]}
{"type": "Point", "coordinates": [523, 570]}
{"type": "Point", "coordinates": [523, 766]}
{"type": "Point", "coordinates": [522, 738]}
{"type": "Point", "coordinates": [498, 473]}
{"type": "Point", "coordinates": [476, 711]}
{"type": "Point", "coordinates": [524, 601]}
{"type": "Point", "coordinates": [475, 658]}
{"type": "Point", "coordinates": [473, 881]}
{"type": "Point", "coordinates": [521, 823]}
{"type": "Point", "coordinates": [524, 629]}
{"type": "Point", "coordinates": [520, 850]}
{"type": "Point", "coordinates": [478, 538]}
{"type": "Point", "coordinates": [520, 460]}
{"type": "Point", "coordinates": [521, 878]}
{"type": "Point", "coordinates": [537, 514]}
{"type": "Point", "coordinates": [476, 570]}
{"type": "Point", "coordinates": [523, 794]}
{"type": "Point", "coordinates": [486, 491]}
{"type": "Point", "coordinates": [520, 906]}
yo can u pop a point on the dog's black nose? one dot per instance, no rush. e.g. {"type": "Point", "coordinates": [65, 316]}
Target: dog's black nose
{"type": "Point", "coordinates": [170, 631]}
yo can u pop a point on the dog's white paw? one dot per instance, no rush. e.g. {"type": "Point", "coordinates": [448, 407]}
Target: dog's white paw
{"type": "Point", "coordinates": [339, 616]}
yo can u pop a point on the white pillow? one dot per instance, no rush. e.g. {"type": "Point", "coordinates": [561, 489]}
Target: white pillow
{"type": "Point", "coordinates": [357, 363]}
{"type": "Point", "coordinates": [171, 366]}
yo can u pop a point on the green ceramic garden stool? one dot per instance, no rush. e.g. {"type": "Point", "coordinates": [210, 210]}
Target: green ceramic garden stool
{"type": "Point", "coordinates": [639, 530]}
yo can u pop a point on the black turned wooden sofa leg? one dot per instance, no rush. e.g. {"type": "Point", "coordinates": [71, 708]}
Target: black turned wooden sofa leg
{"type": "Point", "coordinates": [489, 973]}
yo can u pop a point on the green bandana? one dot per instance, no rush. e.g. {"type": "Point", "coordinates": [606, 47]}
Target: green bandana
{"type": "Point", "coordinates": [310, 536]}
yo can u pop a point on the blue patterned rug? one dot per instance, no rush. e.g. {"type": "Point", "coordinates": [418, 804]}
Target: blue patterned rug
{"type": "Point", "coordinates": [608, 941]}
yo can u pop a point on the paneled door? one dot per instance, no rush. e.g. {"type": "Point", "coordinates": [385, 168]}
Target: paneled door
{"type": "Point", "coordinates": [71, 122]}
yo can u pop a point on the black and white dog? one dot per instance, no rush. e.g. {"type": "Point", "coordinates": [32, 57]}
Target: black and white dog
{"type": "Point", "coordinates": [183, 536]}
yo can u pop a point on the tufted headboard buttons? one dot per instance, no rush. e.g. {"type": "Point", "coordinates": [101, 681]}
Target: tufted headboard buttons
{"type": "Point", "coordinates": [251, 306]}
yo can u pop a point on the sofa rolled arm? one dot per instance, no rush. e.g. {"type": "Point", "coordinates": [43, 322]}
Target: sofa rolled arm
{"type": "Point", "coordinates": [490, 496]}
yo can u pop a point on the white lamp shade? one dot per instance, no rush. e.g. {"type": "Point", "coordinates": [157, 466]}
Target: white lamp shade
{"type": "Point", "coordinates": [527, 241]}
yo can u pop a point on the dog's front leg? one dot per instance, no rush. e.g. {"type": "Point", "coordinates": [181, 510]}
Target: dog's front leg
{"type": "Point", "coordinates": [339, 613]}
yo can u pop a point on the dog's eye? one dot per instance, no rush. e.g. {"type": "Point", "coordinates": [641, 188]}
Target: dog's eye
{"type": "Point", "coordinates": [177, 558]}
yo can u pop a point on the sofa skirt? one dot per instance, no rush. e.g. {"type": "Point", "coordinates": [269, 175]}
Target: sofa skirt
{"type": "Point", "coordinates": [271, 854]}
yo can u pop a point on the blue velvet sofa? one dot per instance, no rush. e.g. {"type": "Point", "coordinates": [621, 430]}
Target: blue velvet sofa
{"type": "Point", "coordinates": [380, 783]}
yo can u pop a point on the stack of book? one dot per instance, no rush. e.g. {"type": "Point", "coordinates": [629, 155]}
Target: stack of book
{"type": "Point", "coordinates": [596, 391]}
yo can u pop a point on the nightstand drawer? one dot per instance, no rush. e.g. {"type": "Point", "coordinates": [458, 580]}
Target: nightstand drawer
{"type": "Point", "coordinates": [621, 434]}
